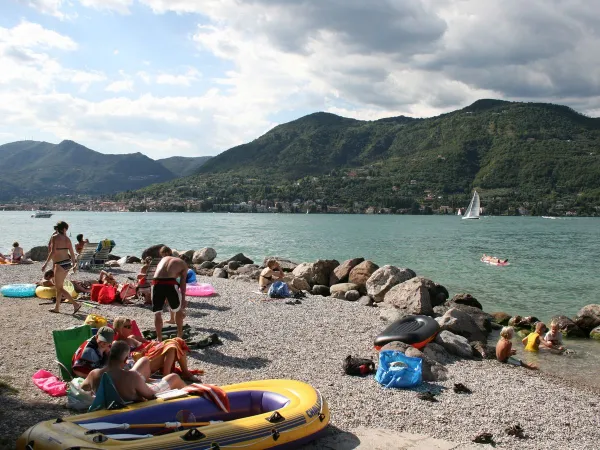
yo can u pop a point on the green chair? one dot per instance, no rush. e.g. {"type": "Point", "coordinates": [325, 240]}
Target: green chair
{"type": "Point", "coordinates": [66, 343]}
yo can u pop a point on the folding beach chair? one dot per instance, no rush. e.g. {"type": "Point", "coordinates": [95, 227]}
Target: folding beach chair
{"type": "Point", "coordinates": [85, 260]}
{"type": "Point", "coordinates": [103, 249]}
{"type": "Point", "coordinates": [149, 276]}
{"type": "Point", "coordinates": [66, 343]}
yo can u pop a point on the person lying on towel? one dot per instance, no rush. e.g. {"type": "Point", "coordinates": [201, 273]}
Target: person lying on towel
{"type": "Point", "coordinates": [130, 384]}
{"type": "Point", "coordinates": [162, 355]}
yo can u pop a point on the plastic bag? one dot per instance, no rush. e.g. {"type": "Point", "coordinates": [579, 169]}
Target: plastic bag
{"type": "Point", "coordinates": [279, 289]}
{"type": "Point", "coordinates": [95, 321]}
{"type": "Point", "coordinates": [77, 398]}
{"type": "Point", "coordinates": [396, 370]}
{"type": "Point", "coordinates": [49, 383]}
{"type": "Point", "coordinates": [107, 294]}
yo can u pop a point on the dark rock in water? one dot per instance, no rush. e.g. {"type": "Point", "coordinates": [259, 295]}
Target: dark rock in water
{"type": "Point", "coordinates": [208, 265]}
{"type": "Point", "coordinates": [153, 251]}
{"type": "Point", "coordinates": [500, 317]}
{"type": "Point", "coordinates": [567, 327]}
{"type": "Point", "coordinates": [461, 323]}
{"type": "Point", "coordinates": [286, 264]}
{"type": "Point", "coordinates": [112, 257]}
{"type": "Point", "coordinates": [320, 289]}
{"type": "Point", "coordinates": [595, 333]}
{"type": "Point", "coordinates": [412, 297]}
{"type": "Point", "coordinates": [352, 295]}
{"type": "Point", "coordinates": [39, 253]}
{"type": "Point", "coordinates": [466, 299]}
{"type": "Point", "coordinates": [588, 318]}
{"type": "Point", "coordinates": [523, 322]}
{"type": "Point", "coordinates": [233, 265]}
{"type": "Point", "coordinates": [341, 273]}
{"type": "Point", "coordinates": [133, 260]}
{"type": "Point", "coordinates": [482, 350]}
{"type": "Point", "coordinates": [241, 258]}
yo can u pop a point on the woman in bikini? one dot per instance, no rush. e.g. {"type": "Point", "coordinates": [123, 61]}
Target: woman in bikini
{"type": "Point", "coordinates": [62, 254]}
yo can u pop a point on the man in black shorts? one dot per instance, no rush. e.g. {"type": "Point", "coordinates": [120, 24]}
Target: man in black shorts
{"type": "Point", "coordinates": [165, 287]}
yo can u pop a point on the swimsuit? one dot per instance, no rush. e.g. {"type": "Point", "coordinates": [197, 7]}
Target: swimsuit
{"type": "Point", "coordinates": [66, 264]}
{"type": "Point", "coordinates": [531, 345]}
{"type": "Point", "coordinates": [165, 289]}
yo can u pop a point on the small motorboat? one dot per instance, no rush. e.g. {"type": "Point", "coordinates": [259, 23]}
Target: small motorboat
{"type": "Point", "coordinates": [41, 215]}
{"type": "Point", "coordinates": [262, 414]}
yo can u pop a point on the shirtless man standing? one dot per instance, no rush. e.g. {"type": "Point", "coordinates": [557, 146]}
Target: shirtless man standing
{"type": "Point", "coordinates": [130, 384]}
{"type": "Point", "coordinates": [166, 287]}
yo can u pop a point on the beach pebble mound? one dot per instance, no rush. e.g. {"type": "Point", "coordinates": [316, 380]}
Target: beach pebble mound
{"type": "Point", "coordinates": [308, 341]}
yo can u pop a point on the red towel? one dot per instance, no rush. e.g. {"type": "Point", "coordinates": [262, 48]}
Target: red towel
{"type": "Point", "coordinates": [211, 392]}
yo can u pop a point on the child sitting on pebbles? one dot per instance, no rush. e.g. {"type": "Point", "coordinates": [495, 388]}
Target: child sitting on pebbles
{"type": "Point", "coordinates": [505, 352]}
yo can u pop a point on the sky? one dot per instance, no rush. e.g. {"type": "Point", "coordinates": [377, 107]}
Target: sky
{"type": "Point", "coordinates": [197, 77]}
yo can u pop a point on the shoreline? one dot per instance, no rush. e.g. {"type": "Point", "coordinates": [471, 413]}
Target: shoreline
{"type": "Point", "coordinates": [308, 342]}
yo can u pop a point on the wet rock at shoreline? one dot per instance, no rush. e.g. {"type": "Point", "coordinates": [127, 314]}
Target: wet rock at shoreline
{"type": "Point", "coordinates": [454, 344]}
{"type": "Point", "coordinates": [285, 263]}
{"type": "Point", "coordinates": [523, 322]}
{"type": "Point", "coordinates": [384, 278]}
{"type": "Point", "coordinates": [362, 272]}
{"type": "Point", "coordinates": [588, 318]}
{"type": "Point", "coordinates": [500, 318]}
{"type": "Point", "coordinates": [39, 253]}
{"type": "Point", "coordinates": [412, 297]}
{"type": "Point", "coordinates": [341, 273]}
{"type": "Point", "coordinates": [461, 323]}
{"type": "Point", "coordinates": [352, 295]}
{"type": "Point", "coordinates": [467, 299]}
{"type": "Point", "coordinates": [595, 333]}
{"type": "Point", "coordinates": [320, 289]}
{"type": "Point", "coordinates": [568, 328]}
{"type": "Point", "coordinates": [152, 251]}
{"type": "Point", "coordinates": [203, 255]}
{"type": "Point", "coordinates": [219, 273]}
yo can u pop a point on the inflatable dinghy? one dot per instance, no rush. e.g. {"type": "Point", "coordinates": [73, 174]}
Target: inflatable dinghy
{"type": "Point", "coordinates": [417, 331]}
{"type": "Point", "coordinates": [262, 414]}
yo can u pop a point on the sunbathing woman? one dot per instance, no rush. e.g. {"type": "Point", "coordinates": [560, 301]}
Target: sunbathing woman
{"type": "Point", "coordinates": [17, 253]}
{"type": "Point", "coordinates": [162, 355]}
{"type": "Point", "coordinates": [62, 254]}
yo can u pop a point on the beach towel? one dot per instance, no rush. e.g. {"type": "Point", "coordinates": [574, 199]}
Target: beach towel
{"type": "Point", "coordinates": [107, 396]}
{"type": "Point", "coordinates": [210, 392]}
{"type": "Point", "coordinates": [49, 383]}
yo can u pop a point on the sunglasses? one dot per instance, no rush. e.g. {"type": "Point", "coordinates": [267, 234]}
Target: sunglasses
{"type": "Point", "coordinates": [127, 325]}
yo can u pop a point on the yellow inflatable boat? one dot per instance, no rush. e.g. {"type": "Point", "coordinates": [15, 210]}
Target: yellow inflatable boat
{"type": "Point", "coordinates": [50, 292]}
{"type": "Point", "coordinates": [262, 414]}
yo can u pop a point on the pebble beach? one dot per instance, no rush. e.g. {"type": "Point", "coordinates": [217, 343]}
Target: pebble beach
{"type": "Point", "coordinates": [308, 342]}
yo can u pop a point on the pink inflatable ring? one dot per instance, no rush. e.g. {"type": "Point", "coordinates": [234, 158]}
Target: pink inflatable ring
{"type": "Point", "coordinates": [199, 290]}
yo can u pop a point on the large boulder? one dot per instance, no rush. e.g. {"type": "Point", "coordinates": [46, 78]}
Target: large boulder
{"type": "Point", "coordinates": [567, 327]}
{"type": "Point", "coordinates": [384, 278]}
{"type": "Point", "coordinates": [286, 264]}
{"type": "Point", "coordinates": [152, 252]}
{"type": "Point", "coordinates": [588, 318]}
{"type": "Point", "coordinates": [343, 288]}
{"type": "Point", "coordinates": [454, 344]}
{"type": "Point", "coordinates": [437, 353]}
{"type": "Point", "coordinates": [204, 254]}
{"type": "Point", "coordinates": [412, 297]}
{"type": "Point", "coordinates": [466, 299]}
{"type": "Point", "coordinates": [320, 289]}
{"type": "Point", "coordinates": [297, 283]}
{"type": "Point", "coordinates": [38, 253]}
{"type": "Point", "coordinates": [362, 272]}
{"type": "Point", "coordinates": [595, 333]}
{"type": "Point", "coordinates": [461, 323]}
{"type": "Point", "coordinates": [318, 272]}
{"type": "Point", "coordinates": [341, 273]}
{"type": "Point", "coordinates": [500, 318]}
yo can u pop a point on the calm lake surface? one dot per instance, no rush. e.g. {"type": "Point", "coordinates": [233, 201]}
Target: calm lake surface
{"type": "Point", "coordinates": [553, 270]}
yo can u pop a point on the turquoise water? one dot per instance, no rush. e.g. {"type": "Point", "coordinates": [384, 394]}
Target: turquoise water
{"type": "Point", "coordinates": [553, 270]}
{"type": "Point", "coordinates": [554, 263]}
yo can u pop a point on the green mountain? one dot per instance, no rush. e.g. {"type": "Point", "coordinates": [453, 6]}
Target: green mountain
{"type": "Point", "coordinates": [35, 170]}
{"type": "Point", "coordinates": [536, 155]}
{"type": "Point", "coordinates": [182, 165]}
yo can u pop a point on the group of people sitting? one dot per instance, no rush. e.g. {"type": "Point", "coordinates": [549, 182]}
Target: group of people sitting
{"type": "Point", "coordinates": [551, 340]}
{"type": "Point", "coordinates": [130, 360]}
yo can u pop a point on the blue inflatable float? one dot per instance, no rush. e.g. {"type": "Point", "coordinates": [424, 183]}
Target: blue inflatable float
{"type": "Point", "coordinates": [18, 290]}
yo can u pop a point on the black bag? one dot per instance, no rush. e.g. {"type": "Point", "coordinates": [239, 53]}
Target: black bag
{"type": "Point", "coordinates": [358, 366]}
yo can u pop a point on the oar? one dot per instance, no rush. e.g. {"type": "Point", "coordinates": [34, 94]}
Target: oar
{"type": "Point", "coordinates": [128, 436]}
{"type": "Point", "coordinates": [98, 426]}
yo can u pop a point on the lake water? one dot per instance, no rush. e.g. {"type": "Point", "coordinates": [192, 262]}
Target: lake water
{"type": "Point", "coordinates": [553, 270]}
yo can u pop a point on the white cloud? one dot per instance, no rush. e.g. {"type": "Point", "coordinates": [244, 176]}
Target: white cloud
{"type": "Point", "coordinates": [50, 7]}
{"type": "Point", "coordinates": [119, 6]}
{"type": "Point", "coordinates": [186, 79]}
{"type": "Point", "coordinates": [28, 35]}
{"type": "Point", "coordinates": [116, 51]}
{"type": "Point", "coordinates": [120, 86]}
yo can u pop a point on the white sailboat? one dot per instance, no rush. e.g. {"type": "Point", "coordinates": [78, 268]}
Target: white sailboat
{"type": "Point", "coordinates": [459, 213]}
{"type": "Point", "coordinates": [472, 211]}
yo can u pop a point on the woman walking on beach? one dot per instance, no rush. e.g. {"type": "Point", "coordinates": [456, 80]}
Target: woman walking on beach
{"type": "Point", "coordinates": [62, 254]}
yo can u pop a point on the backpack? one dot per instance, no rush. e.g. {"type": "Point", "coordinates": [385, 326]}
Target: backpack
{"type": "Point", "coordinates": [279, 289]}
{"type": "Point", "coordinates": [358, 366]}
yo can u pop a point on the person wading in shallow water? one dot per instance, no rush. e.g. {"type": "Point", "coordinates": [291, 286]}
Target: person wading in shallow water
{"type": "Point", "coordinates": [165, 287]}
